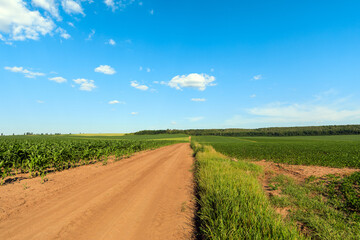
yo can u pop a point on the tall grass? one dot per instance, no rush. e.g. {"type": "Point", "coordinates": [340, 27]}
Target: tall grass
{"type": "Point", "coordinates": [232, 204]}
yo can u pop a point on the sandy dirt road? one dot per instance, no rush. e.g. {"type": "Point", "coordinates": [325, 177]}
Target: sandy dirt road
{"type": "Point", "coordinates": [147, 196]}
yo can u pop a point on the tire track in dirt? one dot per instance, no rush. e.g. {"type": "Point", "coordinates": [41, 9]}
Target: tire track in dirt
{"type": "Point", "coordinates": [148, 196]}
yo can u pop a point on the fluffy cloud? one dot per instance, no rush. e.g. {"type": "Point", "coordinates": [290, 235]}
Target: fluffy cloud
{"type": "Point", "coordinates": [195, 119]}
{"type": "Point", "coordinates": [48, 5]}
{"type": "Point", "coordinates": [63, 33]}
{"type": "Point", "coordinates": [148, 70]}
{"type": "Point", "coordinates": [134, 113]}
{"type": "Point", "coordinates": [198, 99]}
{"type": "Point", "coordinates": [194, 80]}
{"type": "Point", "coordinates": [257, 77]}
{"type": "Point", "coordinates": [27, 73]}
{"type": "Point", "coordinates": [72, 7]}
{"type": "Point", "coordinates": [58, 79]}
{"type": "Point", "coordinates": [105, 69]}
{"type": "Point", "coordinates": [85, 85]}
{"type": "Point", "coordinates": [253, 95]}
{"type": "Point", "coordinates": [112, 42]}
{"type": "Point", "coordinates": [21, 23]}
{"type": "Point", "coordinates": [136, 85]}
{"type": "Point", "coordinates": [116, 102]}
{"type": "Point", "coordinates": [91, 34]}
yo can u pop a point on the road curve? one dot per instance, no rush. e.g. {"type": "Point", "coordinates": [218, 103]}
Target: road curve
{"type": "Point", "coordinates": [147, 196]}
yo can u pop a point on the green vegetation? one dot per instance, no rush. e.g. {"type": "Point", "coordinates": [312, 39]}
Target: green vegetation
{"type": "Point", "coordinates": [38, 155]}
{"type": "Point", "coordinates": [232, 204]}
{"type": "Point", "coordinates": [332, 151]}
{"type": "Point", "coordinates": [328, 208]}
{"type": "Point", "coordinates": [274, 131]}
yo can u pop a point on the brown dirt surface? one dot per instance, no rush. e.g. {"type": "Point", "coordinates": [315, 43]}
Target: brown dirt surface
{"type": "Point", "coordinates": [302, 172]}
{"type": "Point", "coordinates": [147, 196]}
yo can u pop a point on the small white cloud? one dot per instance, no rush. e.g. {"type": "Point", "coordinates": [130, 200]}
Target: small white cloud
{"type": "Point", "coordinates": [115, 4]}
{"type": "Point", "coordinates": [194, 80]}
{"type": "Point", "coordinates": [111, 4]}
{"type": "Point", "coordinates": [140, 68]}
{"type": "Point", "coordinates": [58, 79]}
{"type": "Point", "coordinates": [257, 77]}
{"type": "Point", "coordinates": [85, 85]}
{"type": "Point", "coordinates": [198, 99]}
{"type": "Point", "coordinates": [173, 123]}
{"type": "Point", "coordinates": [134, 113]}
{"type": "Point", "coordinates": [151, 12]}
{"type": "Point", "coordinates": [63, 33]}
{"type": "Point", "coordinates": [48, 5]}
{"type": "Point", "coordinates": [39, 101]}
{"type": "Point", "coordinates": [253, 95]}
{"type": "Point", "coordinates": [91, 34]}
{"type": "Point", "coordinates": [71, 24]}
{"type": "Point", "coordinates": [156, 82]}
{"type": "Point", "coordinates": [148, 70]}
{"type": "Point", "coordinates": [112, 42]}
{"type": "Point", "coordinates": [212, 70]}
{"type": "Point", "coordinates": [105, 69]}
{"type": "Point", "coordinates": [27, 73]}
{"type": "Point", "coordinates": [72, 7]}
{"type": "Point", "coordinates": [116, 102]}
{"type": "Point", "coordinates": [136, 85]}
{"type": "Point", "coordinates": [195, 119]}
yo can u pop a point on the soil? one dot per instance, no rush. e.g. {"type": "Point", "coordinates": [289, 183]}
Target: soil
{"type": "Point", "coordinates": [147, 196]}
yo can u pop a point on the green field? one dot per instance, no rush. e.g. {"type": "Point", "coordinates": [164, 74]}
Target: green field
{"type": "Point", "coordinates": [332, 151]}
{"type": "Point", "coordinates": [38, 155]}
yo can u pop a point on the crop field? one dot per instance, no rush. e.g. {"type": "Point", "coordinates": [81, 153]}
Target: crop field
{"type": "Point", "coordinates": [331, 151]}
{"type": "Point", "coordinates": [37, 155]}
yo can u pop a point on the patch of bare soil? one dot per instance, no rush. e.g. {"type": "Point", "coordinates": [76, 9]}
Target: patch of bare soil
{"type": "Point", "coordinates": [298, 172]}
{"type": "Point", "coordinates": [147, 196]}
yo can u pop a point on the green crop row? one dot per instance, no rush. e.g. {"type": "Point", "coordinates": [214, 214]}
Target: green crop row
{"type": "Point", "coordinates": [39, 155]}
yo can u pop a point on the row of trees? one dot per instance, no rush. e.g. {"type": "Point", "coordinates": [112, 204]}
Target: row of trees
{"type": "Point", "coordinates": [274, 131]}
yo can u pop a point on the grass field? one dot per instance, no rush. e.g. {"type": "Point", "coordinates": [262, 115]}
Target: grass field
{"type": "Point", "coordinates": [332, 151]}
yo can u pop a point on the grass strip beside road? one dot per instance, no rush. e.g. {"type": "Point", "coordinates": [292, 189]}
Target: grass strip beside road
{"type": "Point", "coordinates": [232, 204]}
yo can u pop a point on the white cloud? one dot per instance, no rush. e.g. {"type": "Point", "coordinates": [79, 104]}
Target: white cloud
{"type": "Point", "coordinates": [116, 102]}
{"type": "Point", "coordinates": [194, 80]}
{"type": "Point", "coordinates": [48, 5]}
{"type": "Point", "coordinates": [71, 24]}
{"type": "Point", "coordinates": [140, 3]}
{"type": "Point", "coordinates": [253, 95]}
{"type": "Point", "coordinates": [85, 85]}
{"type": "Point", "coordinates": [110, 3]}
{"type": "Point", "coordinates": [113, 4]}
{"type": "Point", "coordinates": [195, 119]}
{"type": "Point", "coordinates": [313, 113]}
{"type": "Point", "coordinates": [173, 123]}
{"type": "Point", "coordinates": [40, 102]}
{"type": "Point", "coordinates": [112, 42]}
{"type": "Point", "coordinates": [151, 12]}
{"type": "Point", "coordinates": [148, 70]}
{"type": "Point", "coordinates": [63, 33]}
{"type": "Point", "coordinates": [156, 82]}
{"type": "Point", "coordinates": [27, 73]}
{"type": "Point", "coordinates": [257, 77]}
{"type": "Point", "coordinates": [134, 113]}
{"type": "Point", "coordinates": [72, 7]}
{"type": "Point", "coordinates": [136, 85]}
{"type": "Point", "coordinates": [105, 69]}
{"type": "Point", "coordinates": [58, 79]}
{"type": "Point", "coordinates": [91, 34]}
{"type": "Point", "coordinates": [20, 23]}
{"type": "Point", "coordinates": [140, 68]}
{"type": "Point", "coordinates": [198, 99]}
{"type": "Point", "coordinates": [212, 70]}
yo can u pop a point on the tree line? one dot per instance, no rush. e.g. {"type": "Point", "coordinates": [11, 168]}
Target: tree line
{"type": "Point", "coordinates": [273, 131]}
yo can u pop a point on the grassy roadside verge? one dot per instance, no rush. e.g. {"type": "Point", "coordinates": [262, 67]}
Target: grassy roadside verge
{"type": "Point", "coordinates": [232, 204]}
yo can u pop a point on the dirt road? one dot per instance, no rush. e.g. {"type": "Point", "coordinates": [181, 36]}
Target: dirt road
{"type": "Point", "coordinates": [147, 196]}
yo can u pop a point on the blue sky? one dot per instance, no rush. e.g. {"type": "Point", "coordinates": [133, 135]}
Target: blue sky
{"type": "Point", "coordinates": [98, 66]}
